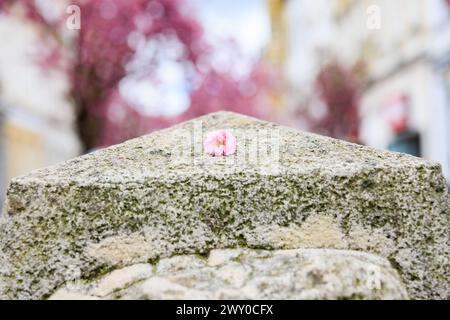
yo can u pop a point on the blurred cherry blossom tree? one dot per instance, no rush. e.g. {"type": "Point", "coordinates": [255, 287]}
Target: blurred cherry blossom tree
{"type": "Point", "coordinates": [122, 42]}
{"type": "Point", "coordinates": [339, 88]}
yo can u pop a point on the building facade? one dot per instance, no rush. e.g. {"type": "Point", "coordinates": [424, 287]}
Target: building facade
{"type": "Point", "coordinates": [405, 103]}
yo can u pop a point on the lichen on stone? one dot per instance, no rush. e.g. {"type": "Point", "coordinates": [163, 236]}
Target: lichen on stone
{"type": "Point", "coordinates": [146, 200]}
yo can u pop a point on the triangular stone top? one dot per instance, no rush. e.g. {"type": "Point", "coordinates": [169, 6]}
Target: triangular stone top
{"type": "Point", "coordinates": [262, 148]}
{"type": "Point", "coordinates": [162, 195]}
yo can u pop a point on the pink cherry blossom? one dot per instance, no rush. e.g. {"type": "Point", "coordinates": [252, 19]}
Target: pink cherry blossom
{"type": "Point", "coordinates": [220, 143]}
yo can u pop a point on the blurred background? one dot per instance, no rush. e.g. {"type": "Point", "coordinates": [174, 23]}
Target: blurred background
{"type": "Point", "coordinates": [80, 75]}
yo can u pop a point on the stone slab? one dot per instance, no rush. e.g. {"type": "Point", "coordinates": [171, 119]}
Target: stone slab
{"type": "Point", "coordinates": [161, 195]}
{"type": "Point", "coordinates": [241, 274]}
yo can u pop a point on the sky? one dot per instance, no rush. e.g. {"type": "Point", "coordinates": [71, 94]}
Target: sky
{"type": "Point", "coordinates": [246, 21]}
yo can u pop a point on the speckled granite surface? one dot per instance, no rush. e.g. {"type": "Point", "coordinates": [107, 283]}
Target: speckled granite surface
{"type": "Point", "coordinates": [160, 195]}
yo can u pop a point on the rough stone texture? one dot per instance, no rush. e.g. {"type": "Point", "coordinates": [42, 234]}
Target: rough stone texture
{"type": "Point", "coordinates": [249, 274]}
{"type": "Point", "coordinates": [149, 198]}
